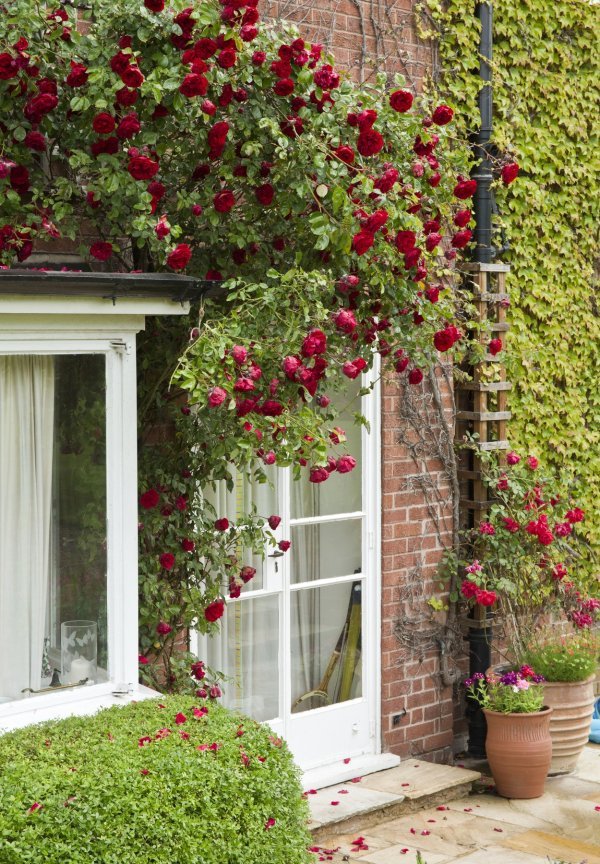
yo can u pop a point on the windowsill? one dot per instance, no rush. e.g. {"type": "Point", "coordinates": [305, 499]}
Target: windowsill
{"type": "Point", "coordinates": [80, 701]}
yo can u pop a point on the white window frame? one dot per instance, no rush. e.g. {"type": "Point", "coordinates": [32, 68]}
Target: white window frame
{"type": "Point", "coordinates": [118, 348]}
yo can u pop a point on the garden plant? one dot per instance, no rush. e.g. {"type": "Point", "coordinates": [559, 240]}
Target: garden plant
{"type": "Point", "coordinates": [151, 783]}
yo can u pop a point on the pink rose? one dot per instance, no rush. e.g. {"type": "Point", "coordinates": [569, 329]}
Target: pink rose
{"type": "Point", "coordinates": [216, 397]}
{"type": "Point", "coordinates": [345, 464]}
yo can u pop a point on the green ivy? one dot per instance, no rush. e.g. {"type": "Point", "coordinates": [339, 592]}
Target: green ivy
{"type": "Point", "coordinates": [546, 107]}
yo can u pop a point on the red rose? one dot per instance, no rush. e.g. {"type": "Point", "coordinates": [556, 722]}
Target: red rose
{"type": "Point", "coordinates": [462, 238]}
{"type": "Point", "coordinates": [362, 242]}
{"type": "Point", "coordinates": [35, 141]}
{"type": "Point", "coordinates": [247, 574]}
{"type": "Point", "coordinates": [132, 77]}
{"type": "Point", "coordinates": [167, 560]}
{"type": "Point", "coordinates": [19, 178]}
{"type": "Point", "coordinates": [509, 173]}
{"type": "Point", "coordinates": [142, 168]}
{"type": "Point", "coordinates": [512, 458]}
{"type": "Point", "coordinates": [193, 85]}
{"type": "Point", "coordinates": [264, 194]}
{"type": "Point", "coordinates": [163, 629]}
{"type": "Point", "coordinates": [510, 524]}
{"type": "Point", "coordinates": [485, 598]}
{"type": "Point", "coordinates": [345, 464]}
{"type": "Point", "coordinates": [107, 145]}
{"type": "Point", "coordinates": [149, 499]}
{"type": "Point", "coordinates": [9, 67]}
{"type": "Point", "coordinates": [345, 154]}
{"type": "Point", "coordinates": [415, 376]}
{"type": "Point", "coordinates": [375, 221]}
{"type": "Point", "coordinates": [465, 188]}
{"type": "Point", "coordinates": [369, 142]}
{"type": "Point", "coordinates": [222, 524]}
{"type": "Point", "coordinates": [274, 522]}
{"type": "Point", "coordinates": [405, 241]}
{"type": "Point", "coordinates": [78, 75]}
{"type": "Point", "coordinates": [179, 257]}
{"type": "Point", "coordinates": [575, 515]}
{"type": "Point", "coordinates": [187, 545]}
{"type": "Point", "coordinates": [129, 126]}
{"type": "Point", "coordinates": [318, 475]}
{"type": "Point", "coordinates": [119, 62]}
{"type": "Point", "coordinates": [443, 114]}
{"type": "Point", "coordinates": [224, 201]}
{"type": "Point", "coordinates": [345, 321]}
{"type": "Point", "coordinates": [271, 408]}
{"type": "Point", "coordinates": [248, 32]}
{"type": "Point", "coordinates": [258, 58]}
{"type": "Point", "coordinates": [216, 397]}
{"type": "Point", "coordinates": [387, 180]}
{"type": "Point", "coordinates": [352, 368]}
{"type": "Point", "coordinates": [532, 463]}
{"type": "Point", "coordinates": [401, 100]}
{"type": "Point", "coordinates": [290, 366]}
{"type": "Point", "coordinates": [445, 339]}
{"type": "Point", "coordinates": [103, 123]}
{"type": "Point", "coordinates": [227, 58]}
{"type": "Point", "coordinates": [126, 97]}
{"type": "Point", "coordinates": [314, 343]}
{"type": "Point", "coordinates": [154, 5]}
{"type": "Point", "coordinates": [216, 137]}
{"type": "Point", "coordinates": [40, 105]}
{"type": "Point", "coordinates": [284, 545]}
{"type": "Point", "coordinates": [468, 589]}
{"type": "Point", "coordinates": [495, 346]}
{"type": "Point", "coordinates": [433, 240]}
{"type": "Point", "coordinates": [284, 87]}
{"type": "Point", "coordinates": [366, 119]}
{"type": "Point", "coordinates": [462, 218]}
{"type": "Point", "coordinates": [101, 251]}
{"type": "Point", "coordinates": [214, 610]}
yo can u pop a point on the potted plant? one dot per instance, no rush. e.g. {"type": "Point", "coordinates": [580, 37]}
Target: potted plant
{"type": "Point", "coordinates": [518, 743]}
{"type": "Point", "coordinates": [569, 664]}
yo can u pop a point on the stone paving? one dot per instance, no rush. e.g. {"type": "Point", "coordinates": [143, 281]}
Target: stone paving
{"type": "Point", "coordinates": [561, 827]}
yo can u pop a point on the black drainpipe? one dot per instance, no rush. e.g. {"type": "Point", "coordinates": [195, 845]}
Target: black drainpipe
{"type": "Point", "coordinates": [480, 633]}
{"type": "Point", "coordinates": [482, 172]}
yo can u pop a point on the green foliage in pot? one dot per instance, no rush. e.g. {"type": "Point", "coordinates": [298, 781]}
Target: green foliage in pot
{"type": "Point", "coordinates": [151, 783]}
{"type": "Point", "coordinates": [573, 657]}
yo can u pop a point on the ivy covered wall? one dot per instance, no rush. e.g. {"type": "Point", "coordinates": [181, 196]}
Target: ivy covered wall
{"type": "Point", "coordinates": [546, 110]}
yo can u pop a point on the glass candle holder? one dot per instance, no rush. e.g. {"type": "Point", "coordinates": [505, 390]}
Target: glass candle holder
{"type": "Point", "coordinates": [79, 651]}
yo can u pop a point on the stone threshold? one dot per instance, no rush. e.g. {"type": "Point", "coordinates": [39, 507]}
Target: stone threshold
{"type": "Point", "coordinates": [361, 803]}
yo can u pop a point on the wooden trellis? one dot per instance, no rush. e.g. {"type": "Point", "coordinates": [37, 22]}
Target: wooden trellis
{"type": "Point", "coordinates": [481, 403]}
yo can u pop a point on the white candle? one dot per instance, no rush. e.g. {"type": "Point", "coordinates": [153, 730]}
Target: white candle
{"type": "Point", "coordinates": [80, 669]}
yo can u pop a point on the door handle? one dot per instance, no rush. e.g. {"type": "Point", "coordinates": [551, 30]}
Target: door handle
{"type": "Point", "coordinates": [276, 554]}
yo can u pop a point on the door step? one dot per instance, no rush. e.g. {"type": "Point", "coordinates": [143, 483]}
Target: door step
{"type": "Point", "coordinates": [360, 803]}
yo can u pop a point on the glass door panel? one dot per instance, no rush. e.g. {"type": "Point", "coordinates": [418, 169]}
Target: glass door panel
{"type": "Point", "coordinates": [325, 550]}
{"type": "Point", "coordinates": [247, 649]}
{"type": "Point", "coordinates": [326, 636]}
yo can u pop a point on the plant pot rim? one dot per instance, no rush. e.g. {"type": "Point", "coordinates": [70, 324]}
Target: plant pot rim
{"type": "Point", "coordinates": [545, 711]}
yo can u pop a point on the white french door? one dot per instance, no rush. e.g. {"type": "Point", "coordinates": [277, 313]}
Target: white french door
{"type": "Point", "coordinates": [300, 647]}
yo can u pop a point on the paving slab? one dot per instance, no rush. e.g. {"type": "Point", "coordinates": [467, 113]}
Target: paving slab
{"type": "Point", "coordinates": [403, 855]}
{"type": "Point", "coordinates": [500, 809]}
{"type": "Point", "coordinates": [588, 764]}
{"type": "Point", "coordinates": [551, 846]}
{"type": "Point", "coordinates": [497, 855]}
{"type": "Point", "coordinates": [418, 779]}
{"type": "Point", "coordinates": [448, 832]}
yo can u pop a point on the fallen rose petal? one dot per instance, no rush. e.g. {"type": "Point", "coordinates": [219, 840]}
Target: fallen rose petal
{"type": "Point", "coordinates": [499, 830]}
{"type": "Point", "coordinates": [442, 807]}
{"type": "Point", "coordinates": [334, 803]}
{"type": "Point", "coordinates": [342, 791]}
{"type": "Point", "coordinates": [404, 851]}
{"type": "Point", "coordinates": [431, 820]}
{"type": "Point", "coordinates": [413, 830]}
{"type": "Point", "coordinates": [425, 833]}
{"type": "Point", "coordinates": [406, 784]}
{"type": "Point", "coordinates": [311, 792]}
{"type": "Point", "coordinates": [468, 809]}
{"type": "Point", "coordinates": [597, 807]}
{"type": "Point", "coordinates": [355, 780]}
{"type": "Point", "coordinates": [347, 760]}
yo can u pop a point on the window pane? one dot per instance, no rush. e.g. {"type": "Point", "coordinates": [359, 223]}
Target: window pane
{"type": "Point", "coordinates": [341, 493]}
{"type": "Point", "coordinates": [52, 519]}
{"type": "Point", "coordinates": [326, 645]}
{"type": "Point", "coordinates": [325, 550]}
{"type": "Point", "coordinates": [247, 650]}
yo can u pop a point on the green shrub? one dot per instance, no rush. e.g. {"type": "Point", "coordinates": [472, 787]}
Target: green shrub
{"type": "Point", "coordinates": [571, 658]}
{"type": "Point", "coordinates": [151, 783]}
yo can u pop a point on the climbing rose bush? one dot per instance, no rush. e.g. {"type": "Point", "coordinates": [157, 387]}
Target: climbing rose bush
{"type": "Point", "coordinates": [198, 139]}
{"type": "Point", "coordinates": [522, 556]}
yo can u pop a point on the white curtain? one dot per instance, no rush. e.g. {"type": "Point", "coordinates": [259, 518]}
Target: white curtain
{"type": "Point", "coordinates": [26, 454]}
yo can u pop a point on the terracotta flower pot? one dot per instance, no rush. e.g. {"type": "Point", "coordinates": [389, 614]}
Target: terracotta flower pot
{"type": "Point", "coordinates": [573, 704]}
{"type": "Point", "coordinates": [519, 750]}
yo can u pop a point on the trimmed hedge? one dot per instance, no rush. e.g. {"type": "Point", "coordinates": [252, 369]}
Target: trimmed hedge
{"type": "Point", "coordinates": [151, 783]}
